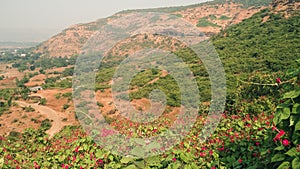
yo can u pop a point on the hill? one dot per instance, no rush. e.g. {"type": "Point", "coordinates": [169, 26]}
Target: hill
{"type": "Point", "coordinates": [210, 17]}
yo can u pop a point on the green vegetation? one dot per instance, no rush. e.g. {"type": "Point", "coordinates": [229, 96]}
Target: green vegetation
{"type": "Point", "coordinates": [203, 22]}
{"type": "Point", "coordinates": [28, 109]}
{"type": "Point", "coordinates": [66, 106]}
{"type": "Point", "coordinates": [43, 101]}
{"type": "Point", "coordinates": [223, 17]}
{"type": "Point", "coordinates": [46, 124]}
{"type": "Point", "coordinates": [262, 63]}
{"type": "Point", "coordinates": [253, 47]}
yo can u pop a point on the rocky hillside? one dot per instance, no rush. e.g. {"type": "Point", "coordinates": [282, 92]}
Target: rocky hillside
{"type": "Point", "coordinates": [288, 7]}
{"type": "Point", "coordinates": [210, 18]}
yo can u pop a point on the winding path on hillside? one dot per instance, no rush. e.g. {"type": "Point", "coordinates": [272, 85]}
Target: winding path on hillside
{"type": "Point", "coordinates": [49, 113]}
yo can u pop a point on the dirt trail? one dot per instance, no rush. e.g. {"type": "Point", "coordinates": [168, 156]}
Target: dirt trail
{"type": "Point", "coordinates": [49, 113]}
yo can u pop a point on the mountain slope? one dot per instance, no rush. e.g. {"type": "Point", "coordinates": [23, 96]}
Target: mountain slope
{"type": "Point", "coordinates": [210, 17]}
{"type": "Point", "coordinates": [268, 42]}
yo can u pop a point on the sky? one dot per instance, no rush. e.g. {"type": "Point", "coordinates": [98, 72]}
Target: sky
{"type": "Point", "coordinates": [38, 20]}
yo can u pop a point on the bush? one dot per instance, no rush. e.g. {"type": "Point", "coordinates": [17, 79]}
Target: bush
{"type": "Point", "coordinates": [28, 109]}
{"type": "Point", "coordinates": [46, 124]}
{"type": "Point", "coordinates": [43, 101]}
{"type": "Point", "coordinates": [66, 106]}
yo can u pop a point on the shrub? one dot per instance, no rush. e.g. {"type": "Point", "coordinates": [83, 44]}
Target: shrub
{"type": "Point", "coordinates": [46, 124]}
{"type": "Point", "coordinates": [66, 106]}
{"type": "Point", "coordinates": [43, 101]}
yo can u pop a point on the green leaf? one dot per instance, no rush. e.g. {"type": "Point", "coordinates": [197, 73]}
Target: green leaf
{"type": "Point", "coordinates": [153, 145]}
{"type": "Point", "coordinates": [292, 152]}
{"type": "Point", "coordinates": [153, 161]}
{"type": "Point", "coordinates": [292, 120]}
{"type": "Point", "coordinates": [99, 153]}
{"type": "Point", "coordinates": [278, 157]}
{"type": "Point", "coordinates": [296, 163]}
{"type": "Point", "coordinates": [285, 113]}
{"type": "Point", "coordinates": [1, 162]}
{"type": "Point", "coordinates": [126, 160]}
{"type": "Point", "coordinates": [296, 109]}
{"type": "Point", "coordinates": [131, 167]}
{"type": "Point", "coordinates": [284, 165]}
{"type": "Point", "coordinates": [297, 126]}
{"type": "Point", "coordinates": [140, 164]}
{"type": "Point", "coordinates": [279, 148]}
{"type": "Point", "coordinates": [281, 114]}
{"type": "Point", "coordinates": [137, 152]}
{"type": "Point", "coordinates": [292, 94]}
{"type": "Point", "coordinates": [185, 157]}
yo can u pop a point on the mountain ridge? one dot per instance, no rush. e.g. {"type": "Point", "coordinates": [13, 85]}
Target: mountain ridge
{"type": "Point", "coordinates": [210, 17]}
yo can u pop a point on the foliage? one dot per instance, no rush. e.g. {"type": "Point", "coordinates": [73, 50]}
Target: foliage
{"type": "Point", "coordinates": [46, 124]}
{"type": "Point", "coordinates": [254, 47]}
{"type": "Point", "coordinates": [203, 22]}
{"type": "Point", "coordinates": [43, 101]}
{"type": "Point", "coordinates": [287, 120]}
{"type": "Point", "coordinates": [223, 17]}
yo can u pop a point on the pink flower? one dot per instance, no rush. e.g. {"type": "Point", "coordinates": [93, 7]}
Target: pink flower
{"type": "Point", "coordinates": [213, 167]}
{"type": "Point", "coordinates": [240, 160]}
{"type": "Point", "coordinates": [76, 149]}
{"type": "Point", "coordinates": [278, 80]}
{"type": "Point", "coordinates": [285, 142]}
{"type": "Point", "coordinates": [257, 143]}
{"type": "Point", "coordinates": [174, 159]}
{"type": "Point", "coordinates": [36, 166]}
{"type": "Point", "coordinates": [210, 152]}
{"type": "Point", "coordinates": [202, 154]}
{"type": "Point", "coordinates": [279, 135]}
{"type": "Point", "coordinates": [99, 161]}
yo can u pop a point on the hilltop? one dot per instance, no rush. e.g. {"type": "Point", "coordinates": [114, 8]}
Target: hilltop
{"type": "Point", "coordinates": [210, 18]}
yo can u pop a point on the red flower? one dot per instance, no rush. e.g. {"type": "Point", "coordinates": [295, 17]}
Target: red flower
{"type": "Point", "coordinates": [76, 149]}
{"type": "Point", "coordinates": [174, 159]}
{"type": "Point", "coordinates": [240, 160]}
{"type": "Point", "coordinates": [278, 80]}
{"type": "Point", "coordinates": [257, 143]}
{"type": "Point", "coordinates": [202, 154]}
{"type": "Point", "coordinates": [213, 167]}
{"type": "Point", "coordinates": [36, 166]}
{"type": "Point", "coordinates": [99, 161]}
{"type": "Point", "coordinates": [279, 135]}
{"type": "Point", "coordinates": [285, 142]}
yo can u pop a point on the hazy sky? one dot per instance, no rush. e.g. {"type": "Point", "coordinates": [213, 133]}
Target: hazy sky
{"type": "Point", "coordinates": [37, 20]}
